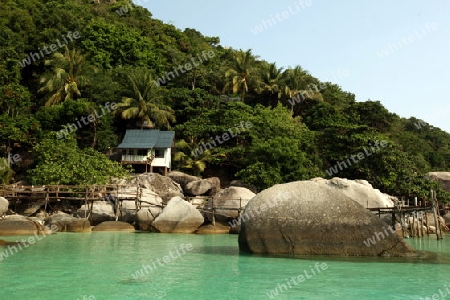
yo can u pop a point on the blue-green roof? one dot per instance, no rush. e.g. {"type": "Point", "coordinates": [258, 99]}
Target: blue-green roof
{"type": "Point", "coordinates": [147, 139]}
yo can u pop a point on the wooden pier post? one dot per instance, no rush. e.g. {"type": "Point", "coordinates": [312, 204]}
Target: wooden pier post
{"type": "Point", "coordinates": [213, 212]}
{"type": "Point", "coordinates": [86, 191]}
{"type": "Point", "coordinates": [46, 199]}
{"type": "Point", "coordinates": [436, 220]}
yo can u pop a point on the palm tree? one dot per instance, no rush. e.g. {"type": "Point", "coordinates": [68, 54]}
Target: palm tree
{"type": "Point", "coordinates": [299, 82]}
{"type": "Point", "coordinates": [241, 74]}
{"type": "Point", "coordinates": [270, 81]}
{"type": "Point", "coordinates": [189, 157]}
{"type": "Point", "coordinates": [148, 104]}
{"type": "Point", "coordinates": [188, 160]}
{"type": "Point", "coordinates": [67, 77]}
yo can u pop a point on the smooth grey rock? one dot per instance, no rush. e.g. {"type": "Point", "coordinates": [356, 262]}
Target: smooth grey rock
{"type": "Point", "coordinates": [232, 197]}
{"type": "Point", "coordinates": [309, 218]}
{"type": "Point", "coordinates": [359, 190]}
{"type": "Point", "coordinates": [182, 178]}
{"type": "Point", "coordinates": [146, 216]}
{"type": "Point", "coordinates": [442, 177]}
{"type": "Point", "coordinates": [114, 226]}
{"type": "Point", "coordinates": [179, 216]}
{"type": "Point", "coordinates": [4, 203]}
{"type": "Point", "coordinates": [198, 187]}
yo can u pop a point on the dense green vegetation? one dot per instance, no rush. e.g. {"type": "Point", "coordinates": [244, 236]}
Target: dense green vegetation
{"type": "Point", "coordinates": [166, 78]}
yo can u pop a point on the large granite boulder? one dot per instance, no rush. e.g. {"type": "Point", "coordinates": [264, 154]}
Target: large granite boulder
{"type": "Point", "coordinates": [215, 185]}
{"type": "Point", "coordinates": [114, 226]}
{"type": "Point", "coordinates": [3, 206]}
{"type": "Point", "coordinates": [149, 197]}
{"type": "Point", "coordinates": [68, 223]}
{"type": "Point", "coordinates": [232, 198]}
{"type": "Point", "coordinates": [442, 177]}
{"type": "Point", "coordinates": [359, 190]}
{"type": "Point", "coordinates": [165, 187]}
{"type": "Point", "coordinates": [101, 211]}
{"type": "Point", "coordinates": [198, 187]}
{"type": "Point", "coordinates": [182, 178]}
{"type": "Point", "coordinates": [33, 207]}
{"type": "Point", "coordinates": [146, 216]}
{"type": "Point", "coordinates": [179, 216]}
{"type": "Point", "coordinates": [79, 225]}
{"type": "Point", "coordinates": [309, 218]}
{"type": "Point", "coordinates": [19, 225]}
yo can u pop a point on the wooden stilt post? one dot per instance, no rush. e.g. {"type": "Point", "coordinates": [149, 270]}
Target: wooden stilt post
{"type": "Point", "coordinates": [85, 201]}
{"type": "Point", "coordinates": [213, 212]}
{"type": "Point", "coordinates": [402, 217]}
{"type": "Point", "coordinates": [438, 217]}
{"type": "Point", "coordinates": [433, 205]}
{"type": "Point", "coordinates": [136, 202]}
{"type": "Point", "coordinates": [46, 199]}
{"type": "Point", "coordinates": [116, 203]}
{"type": "Point", "coordinates": [420, 219]}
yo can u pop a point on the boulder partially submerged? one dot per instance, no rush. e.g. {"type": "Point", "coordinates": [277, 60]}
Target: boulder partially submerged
{"type": "Point", "coordinates": [308, 218]}
{"type": "Point", "coordinates": [146, 216]}
{"type": "Point", "coordinates": [20, 225]}
{"type": "Point", "coordinates": [114, 226]}
{"type": "Point", "coordinates": [68, 223]}
{"type": "Point", "coordinates": [179, 216]}
{"type": "Point", "coordinates": [101, 211]}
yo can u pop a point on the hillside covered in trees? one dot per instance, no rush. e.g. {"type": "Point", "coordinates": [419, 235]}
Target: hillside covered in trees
{"type": "Point", "coordinates": [63, 62]}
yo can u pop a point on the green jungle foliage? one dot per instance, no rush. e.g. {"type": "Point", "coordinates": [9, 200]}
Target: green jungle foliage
{"type": "Point", "coordinates": [61, 60]}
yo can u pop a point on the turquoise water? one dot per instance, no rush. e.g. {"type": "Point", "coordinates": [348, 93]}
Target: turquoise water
{"type": "Point", "coordinates": [100, 266]}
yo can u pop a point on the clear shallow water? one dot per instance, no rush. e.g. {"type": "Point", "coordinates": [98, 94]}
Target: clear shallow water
{"type": "Point", "coordinates": [100, 265]}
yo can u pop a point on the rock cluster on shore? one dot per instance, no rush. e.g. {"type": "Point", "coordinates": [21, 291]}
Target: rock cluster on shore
{"type": "Point", "coordinates": [319, 216]}
{"type": "Point", "coordinates": [162, 209]}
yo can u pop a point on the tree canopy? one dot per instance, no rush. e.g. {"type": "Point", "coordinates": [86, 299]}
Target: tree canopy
{"type": "Point", "coordinates": [300, 126]}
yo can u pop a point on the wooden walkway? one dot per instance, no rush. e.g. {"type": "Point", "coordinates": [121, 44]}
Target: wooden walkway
{"type": "Point", "coordinates": [414, 218]}
{"type": "Point", "coordinates": [113, 193]}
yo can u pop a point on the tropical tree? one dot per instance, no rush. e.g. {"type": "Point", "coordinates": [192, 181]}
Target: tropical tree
{"type": "Point", "coordinates": [67, 77]}
{"type": "Point", "coordinates": [18, 126]}
{"type": "Point", "coordinates": [60, 161]}
{"type": "Point", "coordinates": [148, 104]}
{"type": "Point", "coordinates": [242, 73]}
{"type": "Point", "coordinates": [5, 171]}
{"type": "Point", "coordinates": [298, 83]}
{"type": "Point", "coordinates": [190, 160]}
{"type": "Point", "coordinates": [269, 82]}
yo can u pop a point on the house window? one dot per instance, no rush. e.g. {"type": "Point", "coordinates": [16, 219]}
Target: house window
{"type": "Point", "coordinates": [142, 152]}
{"type": "Point", "coordinates": [159, 153]}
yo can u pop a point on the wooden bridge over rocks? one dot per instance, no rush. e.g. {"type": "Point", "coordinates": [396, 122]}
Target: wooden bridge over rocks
{"type": "Point", "coordinates": [413, 218]}
{"type": "Point", "coordinates": [52, 195]}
